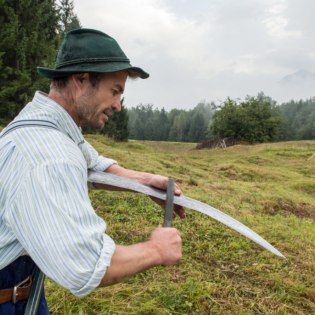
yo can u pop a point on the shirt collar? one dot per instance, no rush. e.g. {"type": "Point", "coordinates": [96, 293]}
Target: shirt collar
{"type": "Point", "coordinates": [58, 115]}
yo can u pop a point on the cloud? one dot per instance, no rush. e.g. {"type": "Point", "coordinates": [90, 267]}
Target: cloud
{"type": "Point", "coordinates": [277, 22]}
{"type": "Point", "coordinates": [148, 29]}
{"type": "Point", "coordinates": [206, 49]}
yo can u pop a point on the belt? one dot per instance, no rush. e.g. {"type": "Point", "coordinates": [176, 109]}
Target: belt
{"type": "Point", "coordinates": [20, 292]}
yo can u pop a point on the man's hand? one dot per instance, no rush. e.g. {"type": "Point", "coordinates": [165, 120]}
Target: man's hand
{"type": "Point", "coordinates": [164, 247]}
{"type": "Point", "coordinates": [160, 182]}
{"type": "Point", "coordinates": [168, 244]}
{"type": "Point", "coordinates": [156, 181]}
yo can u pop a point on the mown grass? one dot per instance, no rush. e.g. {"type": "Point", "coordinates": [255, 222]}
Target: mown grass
{"type": "Point", "coordinates": [269, 187]}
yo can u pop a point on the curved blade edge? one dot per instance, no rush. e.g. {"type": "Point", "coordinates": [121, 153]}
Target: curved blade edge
{"type": "Point", "coordinates": [115, 181]}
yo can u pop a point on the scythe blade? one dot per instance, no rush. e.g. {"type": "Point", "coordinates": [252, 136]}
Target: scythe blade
{"type": "Point", "coordinates": [114, 182]}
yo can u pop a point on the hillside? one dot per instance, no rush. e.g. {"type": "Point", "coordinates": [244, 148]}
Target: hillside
{"type": "Point", "coordinates": [268, 187]}
{"type": "Point", "coordinates": [294, 86]}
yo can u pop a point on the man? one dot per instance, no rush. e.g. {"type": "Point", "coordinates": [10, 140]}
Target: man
{"type": "Point", "coordinates": [46, 217]}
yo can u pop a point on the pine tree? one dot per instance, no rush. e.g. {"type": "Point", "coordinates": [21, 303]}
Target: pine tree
{"type": "Point", "coordinates": [163, 125]}
{"type": "Point", "coordinates": [179, 128]}
{"type": "Point", "coordinates": [299, 119]}
{"type": "Point", "coordinates": [69, 20]}
{"type": "Point", "coordinates": [27, 40]}
{"type": "Point", "coordinates": [197, 128]}
{"type": "Point", "coordinates": [117, 126]}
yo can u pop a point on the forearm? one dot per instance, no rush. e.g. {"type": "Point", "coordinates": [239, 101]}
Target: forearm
{"type": "Point", "coordinates": [142, 177]}
{"type": "Point", "coordinates": [153, 180]}
{"type": "Point", "coordinates": [129, 260]}
{"type": "Point", "coordinates": [163, 248]}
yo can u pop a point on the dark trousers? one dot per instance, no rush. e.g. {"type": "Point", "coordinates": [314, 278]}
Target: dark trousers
{"type": "Point", "coordinates": [11, 275]}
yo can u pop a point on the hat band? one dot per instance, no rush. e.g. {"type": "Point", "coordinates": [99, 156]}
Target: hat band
{"type": "Point", "coordinates": [91, 60]}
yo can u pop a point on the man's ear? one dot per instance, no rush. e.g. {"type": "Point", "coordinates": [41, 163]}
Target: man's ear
{"type": "Point", "coordinates": [80, 81]}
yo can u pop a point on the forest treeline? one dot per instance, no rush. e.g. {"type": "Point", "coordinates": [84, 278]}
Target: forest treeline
{"type": "Point", "coordinates": [31, 32]}
{"type": "Point", "coordinates": [255, 119]}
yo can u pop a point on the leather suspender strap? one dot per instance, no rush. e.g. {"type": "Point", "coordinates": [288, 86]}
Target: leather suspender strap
{"type": "Point", "coordinates": [35, 295]}
{"type": "Point", "coordinates": [27, 123]}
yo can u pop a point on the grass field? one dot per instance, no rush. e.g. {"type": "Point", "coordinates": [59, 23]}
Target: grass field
{"type": "Point", "coordinates": [268, 187]}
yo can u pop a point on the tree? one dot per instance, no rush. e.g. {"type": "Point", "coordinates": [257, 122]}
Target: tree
{"type": "Point", "coordinates": [69, 20]}
{"type": "Point", "coordinates": [179, 127]}
{"type": "Point", "coordinates": [141, 125]}
{"type": "Point", "coordinates": [200, 116]}
{"type": "Point", "coordinates": [28, 39]}
{"type": "Point", "coordinates": [117, 125]}
{"type": "Point", "coordinates": [146, 123]}
{"type": "Point", "coordinates": [162, 125]}
{"type": "Point", "coordinates": [253, 120]}
{"type": "Point", "coordinates": [197, 128]}
{"type": "Point", "coordinates": [226, 121]}
{"type": "Point", "coordinates": [299, 119]}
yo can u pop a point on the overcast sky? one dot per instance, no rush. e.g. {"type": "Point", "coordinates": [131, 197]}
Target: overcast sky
{"type": "Point", "coordinates": [208, 49]}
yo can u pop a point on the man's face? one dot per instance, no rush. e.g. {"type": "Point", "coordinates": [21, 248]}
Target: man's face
{"type": "Point", "coordinates": [96, 104]}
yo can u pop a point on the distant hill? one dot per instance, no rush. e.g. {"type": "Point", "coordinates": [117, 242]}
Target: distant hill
{"type": "Point", "coordinates": [299, 77]}
{"type": "Point", "coordinates": [294, 86]}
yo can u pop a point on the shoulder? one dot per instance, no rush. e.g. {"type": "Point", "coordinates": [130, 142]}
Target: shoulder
{"type": "Point", "coordinates": [43, 145]}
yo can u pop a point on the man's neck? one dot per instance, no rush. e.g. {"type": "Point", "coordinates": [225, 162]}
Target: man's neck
{"type": "Point", "coordinates": [65, 100]}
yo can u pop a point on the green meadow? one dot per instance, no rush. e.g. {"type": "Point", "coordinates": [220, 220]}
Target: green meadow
{"type": "Point", "coordinates": [268, 187]}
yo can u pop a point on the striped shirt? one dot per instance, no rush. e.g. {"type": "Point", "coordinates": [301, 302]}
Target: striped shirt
{"type": "Point", "coordinates": [45, 210]}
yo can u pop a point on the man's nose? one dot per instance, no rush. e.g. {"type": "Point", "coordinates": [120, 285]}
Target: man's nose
{"type": "Point", "coordinates": [117, 105]}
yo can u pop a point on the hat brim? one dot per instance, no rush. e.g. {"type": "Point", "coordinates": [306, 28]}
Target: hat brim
{"type": "Point", "coordinates": [106, 67]}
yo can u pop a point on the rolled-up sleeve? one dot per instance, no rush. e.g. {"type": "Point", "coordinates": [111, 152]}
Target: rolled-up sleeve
{"type": "Point", "coordinates": [53, 219]}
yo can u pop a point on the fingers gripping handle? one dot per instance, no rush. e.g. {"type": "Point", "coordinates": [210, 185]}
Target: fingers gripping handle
{"type": "Point", "coordinates": [168, 215]}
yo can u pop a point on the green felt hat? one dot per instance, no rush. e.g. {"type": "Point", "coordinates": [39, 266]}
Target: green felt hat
{"type": "Point", "coordinates": [88, 50]}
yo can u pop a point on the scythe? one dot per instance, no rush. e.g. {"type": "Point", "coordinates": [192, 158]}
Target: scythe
{"type": "Point", "coordinates": [114, 182]}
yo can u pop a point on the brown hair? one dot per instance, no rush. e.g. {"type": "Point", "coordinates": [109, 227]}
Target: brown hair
{"type": "Point", "coordinates": [94, 78]}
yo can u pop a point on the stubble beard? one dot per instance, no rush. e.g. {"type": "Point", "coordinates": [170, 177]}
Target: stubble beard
{"type": "Point", "coordinates": [86, 111]}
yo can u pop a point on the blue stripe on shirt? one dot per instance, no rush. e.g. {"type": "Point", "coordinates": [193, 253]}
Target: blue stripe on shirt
{"type": "Point", "coordinates": [45, 210]}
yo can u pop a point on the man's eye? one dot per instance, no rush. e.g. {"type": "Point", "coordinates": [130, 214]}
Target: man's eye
{"type": "Point", "coordinates": [115, 92]}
